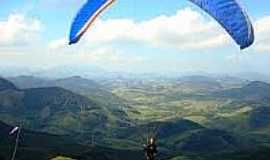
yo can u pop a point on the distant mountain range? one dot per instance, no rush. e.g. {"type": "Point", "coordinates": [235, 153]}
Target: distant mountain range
{"type": "Point", "coordinates": [76, 84]}
{"type": "Point", "coordinates": [96, 72]}
{"type": "Point", "coordinates": [253, 91]}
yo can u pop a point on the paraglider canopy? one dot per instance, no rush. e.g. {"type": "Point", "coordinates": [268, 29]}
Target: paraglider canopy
{"type": "Point", "coordinates": [231, 16]}
{"type": "Point", "coordinates": [228, 13]}
{"type": "Point", "coordinates": [85, 17]}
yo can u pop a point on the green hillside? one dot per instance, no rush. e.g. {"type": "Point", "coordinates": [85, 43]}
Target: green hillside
{"type": "Point", "coordinates": [58, 111]}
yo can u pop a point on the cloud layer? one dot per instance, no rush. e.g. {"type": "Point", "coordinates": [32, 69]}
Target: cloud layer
{"type": "Point", "coordinates": [262, 35]}
{"type": "Point", "coordinates": [17, 30]}
{"type": "Point", "coordinates": [186, 30]}
{"type": "Point", "coordinates": [106, 42]}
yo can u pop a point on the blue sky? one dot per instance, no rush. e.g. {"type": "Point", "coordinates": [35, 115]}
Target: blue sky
{"type": "Point", "coordinates": [49, 22]}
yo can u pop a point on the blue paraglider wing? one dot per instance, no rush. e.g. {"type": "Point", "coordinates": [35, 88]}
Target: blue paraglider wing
{"type": "Point", "coordinates": [85, 17]}
{"type": "Point", "coordinates": [227, 12]}
{"type": "Point", "coordinates": [232, 17]}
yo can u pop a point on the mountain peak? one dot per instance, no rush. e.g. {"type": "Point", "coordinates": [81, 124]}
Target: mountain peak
{"type": "Point", "coordinates": [255, 90]}
{"type": "Point", "coordinates": [5, 84]}
{"type": "Point", "coordinates": [258, 84]}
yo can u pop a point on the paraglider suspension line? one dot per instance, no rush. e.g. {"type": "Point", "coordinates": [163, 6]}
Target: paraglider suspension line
{"type": "Point", "coordinates": [16, 144]}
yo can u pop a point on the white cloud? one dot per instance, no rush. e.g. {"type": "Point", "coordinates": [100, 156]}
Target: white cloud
{"type": "Point", "coordinates": [262, 35]}
{"type": "Point", "coordinates": [17, 30]}
{"type": "Point", "coordinates": [58, 44]}
{"type": "Point", "coordinates": [187, 29]}
{"type": "Point", "coordinates": [84, 53]}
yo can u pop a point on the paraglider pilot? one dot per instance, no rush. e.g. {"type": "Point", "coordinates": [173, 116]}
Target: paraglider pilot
{"type": "Point", "coordinates": [150, 149]}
